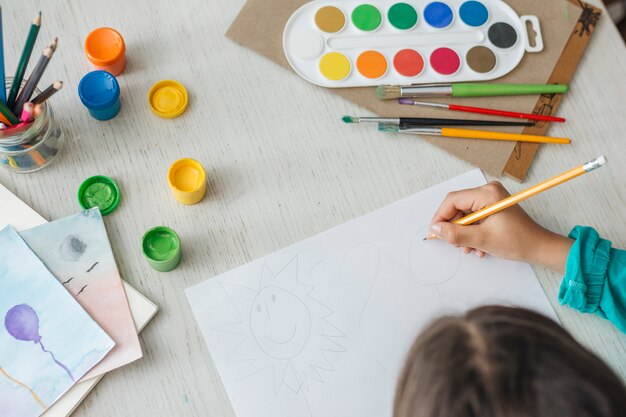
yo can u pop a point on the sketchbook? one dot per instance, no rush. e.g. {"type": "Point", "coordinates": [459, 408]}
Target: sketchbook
{"type": "Point", "coordinates": [322, 327]}
{"type": "Point", "coordinates": [18, 214]}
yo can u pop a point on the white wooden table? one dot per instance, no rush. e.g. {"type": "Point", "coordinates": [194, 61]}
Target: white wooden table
{"type": "Point", "coordinates": [281, 168]}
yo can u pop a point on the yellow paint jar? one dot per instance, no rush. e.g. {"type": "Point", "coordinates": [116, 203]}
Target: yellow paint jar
{"type": "Point", "coordinates": [187, 179]}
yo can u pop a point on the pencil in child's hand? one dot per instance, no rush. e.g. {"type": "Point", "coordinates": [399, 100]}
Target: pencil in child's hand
{"type": "Point", "coordinates": [523, 195]}
{"type": "Point", "coordinates": [23, 63]}
{"type": "Point", "coordinates": [48, 92]}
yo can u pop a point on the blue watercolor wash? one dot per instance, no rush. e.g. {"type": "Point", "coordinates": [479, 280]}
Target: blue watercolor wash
{"type": "Point", "coordinates": [438, 15]}
{"type": "Point", "coordinates": [474, 13]}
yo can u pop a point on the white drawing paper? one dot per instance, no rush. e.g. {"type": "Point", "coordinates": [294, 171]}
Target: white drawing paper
{"type": "Point", "coordinates": [322, 327]}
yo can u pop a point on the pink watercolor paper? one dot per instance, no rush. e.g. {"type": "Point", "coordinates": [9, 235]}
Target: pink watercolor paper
{"type": "Point", "coordinates": [76, 250]}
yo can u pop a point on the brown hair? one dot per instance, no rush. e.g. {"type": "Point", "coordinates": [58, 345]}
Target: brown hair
{"type": "Point", "coordinates": [504, 362]}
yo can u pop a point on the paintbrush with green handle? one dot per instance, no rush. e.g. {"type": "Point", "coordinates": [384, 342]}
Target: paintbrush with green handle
{"type": "Point", "coordinates": [386, 92]}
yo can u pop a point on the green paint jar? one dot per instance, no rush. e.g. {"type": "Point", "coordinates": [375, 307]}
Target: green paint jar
{"type": "Point", "coordinates": [99, 191]}
{"type": "Point", "coordinates": [161, 248]}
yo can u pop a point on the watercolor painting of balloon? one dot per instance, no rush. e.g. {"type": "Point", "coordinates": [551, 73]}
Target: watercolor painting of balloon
{"type": "Point", "coordinates": [77, 251]}
{"type": "Point", "coordinates": [47, 341]}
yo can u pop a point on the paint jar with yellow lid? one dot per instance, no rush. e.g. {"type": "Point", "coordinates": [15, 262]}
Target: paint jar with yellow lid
{"type": "Point", "coordinates": [187, 180]}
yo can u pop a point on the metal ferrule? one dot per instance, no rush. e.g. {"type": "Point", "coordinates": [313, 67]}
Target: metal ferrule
{"type": "Point", "coordinates": [594, 163]}
{"type": "Point", "coordinates": [390, 120]}
{"type": "Point", "coordinates": [429, 104]}
{"type": "Point", "coordinates": [427, 90]}
{"type": "Point", "coordinates": [422, 130]}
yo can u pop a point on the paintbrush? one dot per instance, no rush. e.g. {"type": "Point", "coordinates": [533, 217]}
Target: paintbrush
{"type": "Point", "coordinates": [422, 121]}
{"type": "Point", "coordinates": [481, 110]}
{"type": "Point", "coordinates": [386, 92]}
{"type": "Point", "coordinates": [471, 134]}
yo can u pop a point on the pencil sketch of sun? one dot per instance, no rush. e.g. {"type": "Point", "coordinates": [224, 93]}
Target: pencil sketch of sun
{"type": "Point", "coordinates": [285, 331]}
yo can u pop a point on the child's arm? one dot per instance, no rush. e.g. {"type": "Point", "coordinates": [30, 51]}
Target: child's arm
{"type": "Point", "coordinates": [595, 274]}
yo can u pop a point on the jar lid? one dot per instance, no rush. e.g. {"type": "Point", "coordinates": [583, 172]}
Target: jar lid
{"type": "Point", "coordinates": [186, 175]}
{"type": "Point", "coordinates": [104, 46]}
{"type": "Point", "coordinates": [161, 248]}
{"type": "Point", "coordinates": [168, 99]}
{"type": "Point", "coordinates": [99, 191]}
{"type": "Point", "coordinates": [98, 90]}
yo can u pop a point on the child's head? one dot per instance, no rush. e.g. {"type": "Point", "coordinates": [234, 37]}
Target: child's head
{"type": "Point", "coordinates": [504, 362]}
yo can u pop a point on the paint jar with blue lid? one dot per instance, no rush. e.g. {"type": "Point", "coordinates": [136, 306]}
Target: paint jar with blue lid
{"type": "Point", "coordinates": [100, 93]}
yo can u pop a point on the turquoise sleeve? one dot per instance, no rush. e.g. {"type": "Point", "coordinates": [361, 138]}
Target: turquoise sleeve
{"type": "Point", "coordinates": [595, 277]}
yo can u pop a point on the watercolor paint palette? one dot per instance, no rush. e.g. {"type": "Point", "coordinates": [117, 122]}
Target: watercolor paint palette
{"type": "Point", "coordinates": [352, 43]}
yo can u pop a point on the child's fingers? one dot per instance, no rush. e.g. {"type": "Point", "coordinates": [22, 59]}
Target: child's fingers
{"type": "Point", "coordinates": [454, 203]}
{"type": "Point", "coordinates": [469, 200]}
{"type": "Point", "coordinates": [463, 236]}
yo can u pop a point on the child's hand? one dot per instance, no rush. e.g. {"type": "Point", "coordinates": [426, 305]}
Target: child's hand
{"type": "Point", "coordinates": [509, 234]}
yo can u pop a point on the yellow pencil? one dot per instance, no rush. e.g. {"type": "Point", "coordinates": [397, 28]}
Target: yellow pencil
{"type": "Point", "coordinates": [523, 195]}
{"type": "Point", "coordinates": [471, 134]}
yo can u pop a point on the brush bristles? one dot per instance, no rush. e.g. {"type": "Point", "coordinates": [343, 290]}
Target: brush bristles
{"type": "Point", "coordinates": [387, 92]}
{"type": "Point", "coordinates": [350, 119]}
{"type": "Point", "coordinates": [386, 127]}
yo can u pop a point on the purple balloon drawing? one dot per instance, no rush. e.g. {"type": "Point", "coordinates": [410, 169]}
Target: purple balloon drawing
{"type": "Point", "coordinates": [22, 322]}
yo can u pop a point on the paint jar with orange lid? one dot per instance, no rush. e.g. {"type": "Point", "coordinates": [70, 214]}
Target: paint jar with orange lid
{"type": "Point", "coordinates": [106, 50]}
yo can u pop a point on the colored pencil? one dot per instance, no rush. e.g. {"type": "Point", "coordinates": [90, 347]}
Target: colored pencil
{"type": "Point", "coordinates": [27, 112]}
{"type": "Point", "coordinates": [23, 63]}
{"type": "Point", "coordinates": [48, 92]}
{"type": "Point", "coordinates": [472, 134]}
{"type": "Point", "coordinates": [385, 92]}
{"type": "Point", "coordinates": [482, 110]}
{"type": "Point", "coordinates": [3, 87]}
{"type": "Point", "coordinates": [422, 121]}
{"type": "Point", "coordinates": [34, 78]}
{"type": "Point", "coordinates": [37, 110]}
{"type": "Point", "coordinates": [8, 115]}
{"type": "Point", "coordinates": [523, 195]}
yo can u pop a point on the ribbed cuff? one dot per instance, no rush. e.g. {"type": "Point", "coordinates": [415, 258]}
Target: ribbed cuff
{"type": "Point", "coordinates": [585, 270]}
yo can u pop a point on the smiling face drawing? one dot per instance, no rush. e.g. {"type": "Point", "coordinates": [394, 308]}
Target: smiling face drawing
{"type": "Point", "coordinates": [284, 330]}
{"type": "Point", "coordinates": [280, 322]}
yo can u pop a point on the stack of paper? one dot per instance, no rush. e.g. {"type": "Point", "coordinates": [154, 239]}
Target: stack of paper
{"type": "Point", "coordinates": [68, 264]}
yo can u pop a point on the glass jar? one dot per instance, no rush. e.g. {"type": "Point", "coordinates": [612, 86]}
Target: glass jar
{"type": "Point", "coordinates": [33, 146]}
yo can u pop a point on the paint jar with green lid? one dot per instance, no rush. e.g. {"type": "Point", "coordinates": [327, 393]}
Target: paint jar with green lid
{"type": "Point", "coordinates": [161, 248]}
{"type": "Point", "coordinates": [99, 191]}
